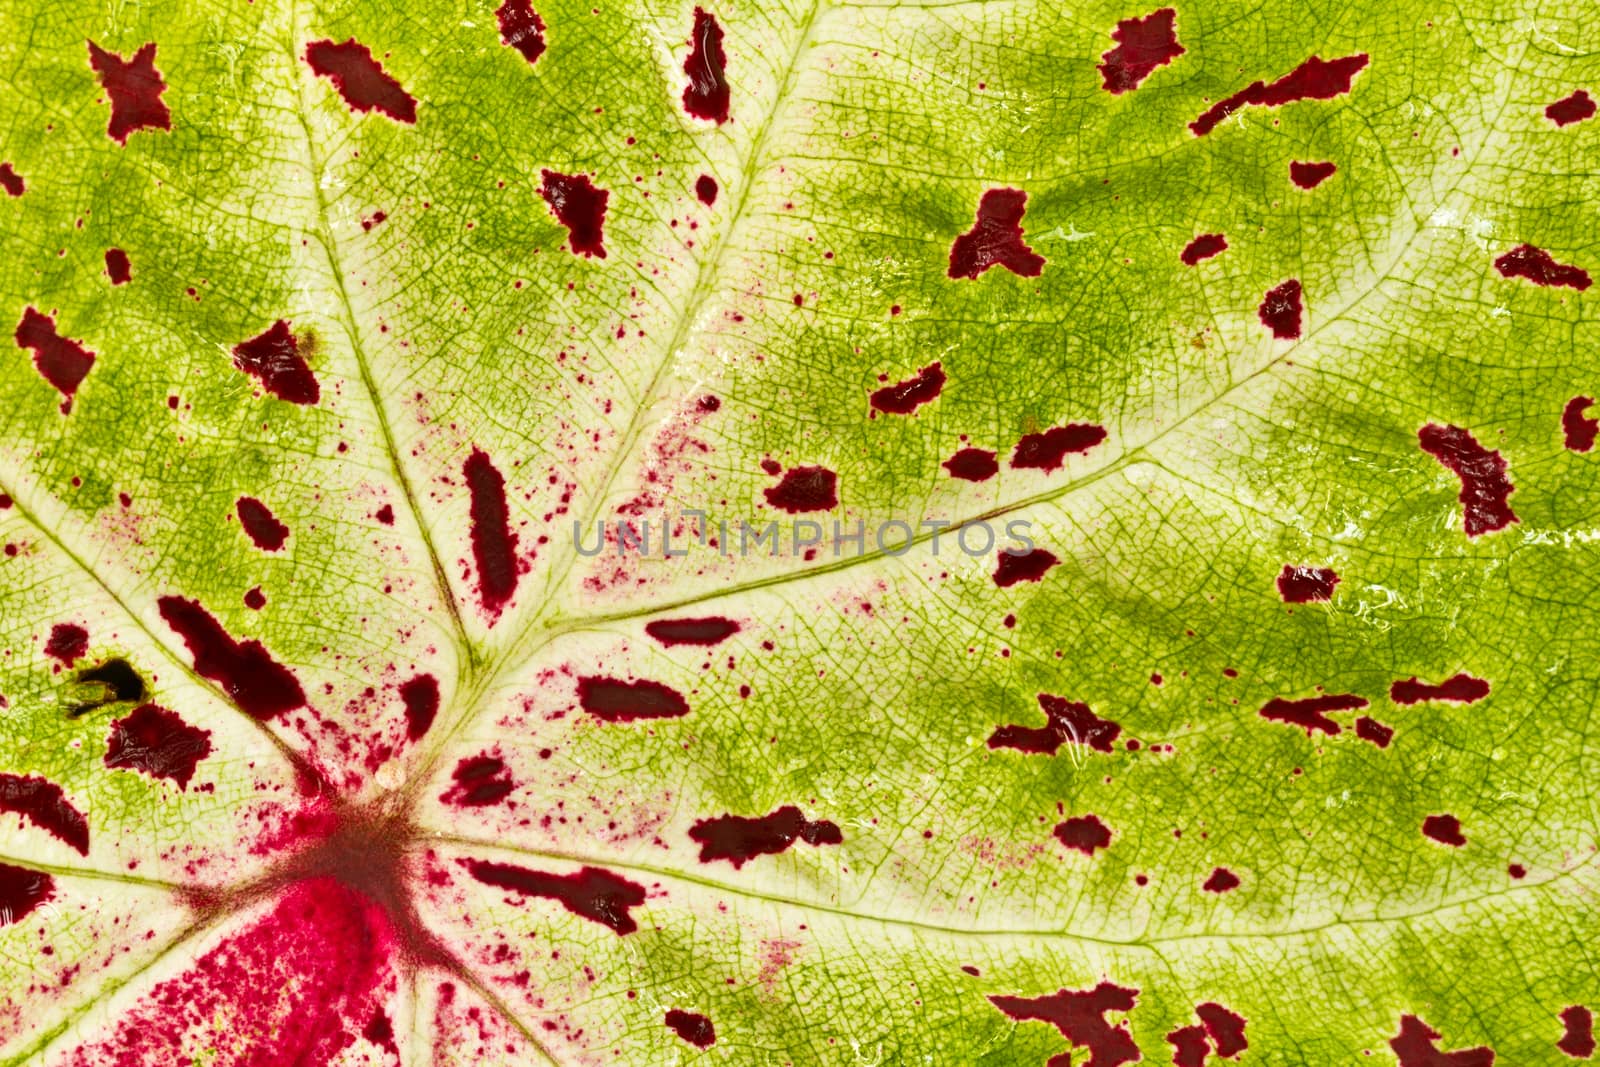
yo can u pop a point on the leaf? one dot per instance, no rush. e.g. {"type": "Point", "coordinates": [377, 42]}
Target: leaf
{"type": "Point", "coordinates": [334, 731]}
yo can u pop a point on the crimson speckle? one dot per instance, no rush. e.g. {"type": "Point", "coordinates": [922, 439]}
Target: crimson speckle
{"type": "Point", "coordinates": [1080, 1016]}
{"type": "Point", "coordinates": [805, 489]}
{"type": "Point", "coordinates": [590, 892]}
{"type": "Point", "coordinates": [157, 742]}
{"type": "Point", "coordinates": [1203, 247]}
{"type": "Point", "coordinates": [904, 397]}
{"type": "Point", "coordinates": [260, 685]}
{"type": "Point", "coordinates": [1315, 79]}
{"type": "Point", "coordinates": [1281, 309]}
{"type": "Point", "coordinates": [521, 28]}
{"type": "Point", "coordinates": [1030, 566]}
{"type": "Point", "coordinates": [1310, 175]}
{"type": "Point", "coordinates": [135, 88]}
{"type": "Point", "coordinates": [420, 695]}
{"type": "Point", "coordinates": [1577, 1038]}
{"type": "Point", "coordinates": [996, 238]}
{"type": "Point", "coordinates": [1578, 430]}
{"type": "Point", "coordinates": [739, 839]}
{"type": "Point", "coordinates": [1541, 268]}
{"type": "Point", "coordinates": [692, 1027]}
{"type": "Point", "coordinates": [580, 206]}
{"type": "Point", "coordinates": [61, 361]}
{"type": "Point", "coordinates": [255, 599]}
{"type": "Point", "coordinates": [1445, 829]}
{"type": "Point", "coordinates": [273, 358]}
{"type": "Point", "coordinates": [118, 269]}
{"type": "Point", "coordinates": [1143, 44]}
{"type": "Point", "coordinates": [263, 527]}
{"type": "Point", "coordinates": [1460, 688]}
{"type": "Point", "coordinates": [1574, 107]}
{"type": "Point", "coordinates": [67, 643]}
{"type": "Point", "coordinates": [1415, 1046]}
{"type": "Point", "coordinates": [22, 890]}
{"type": "Point", "coordinates": [42, 802]}
{"type": "Point", "coordinates": [706, 96]}
{"type": "Point", "coordinates": [972, 465]}
{"type": "Point", "coordinates": [1047, 450]}
{"type": "Point", "coordinates": [1485, 488]}
{"type": "Point", "coordinates": [611, 700]}
{"type": "Point", "coordinates": [1303, 584]}
{"type": "Point", "coordinates": [1065, 721]}
{"type": "Point", "coordinates": [360, 79]}
{"type": "Point", "coordinates": [1221, 880]}
{"type": "Point", "coordinates": [1085, 833]}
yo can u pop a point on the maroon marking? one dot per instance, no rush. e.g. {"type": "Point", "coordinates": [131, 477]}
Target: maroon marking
{"type": "Point", "coordinates": [60, 361]}
{"type": "Point", "coordinates": [1311, 714]}
{"type": "Point", "coordinates": [1445, 829]}
{"type": "Point", "coordinates": [1570, 109]}
{"type": "Point", "coordinates": [263, 527]}
{"type": "Point", "coordinates": [1578, 1039]}
{"type": "Point", "coordinates": [692, 1027]}
{"type": "Point", "coordinates": [260, 685]}
{"type": "Point", "coordinates": [739, 839]}
{"type": "Point", "coordinates": [1414, 1045]}
{"type": "Point", "coordinates": [22, 890]}
{"type": "Point", "coordinates": [706, 95]}
{"type": "Point", "coordinates": [805, 489]}
{"type": "Point", "coordinates": [67, 643]}
{"type": "Point", "coordinates": [273, 358]}
{"type": "Point", "coordinates": [580, 206]}
{"type": "Point", "coordinates": [118, 269]}
{"type": "Point", "coordinates": [1086, 833]}
{"type": "Point", "coordinates": [1370, 729]}
{"type": "Point", "coordinates": [903, 398]}
{"type": "Point", "coordinates": [1046, 451]}
{"type": "Point", "coordinates": [255, 599]}
{"type": "Point", "coordinates": [420, 695]}
{"type": "Point", "coordinates": [1461, 688]}
{"type": "Point", "coordinates": [1484, 485]}
{"type": "Point", "coordinates": [972, 465]}
{"type": "Point", "coordinates": [385, 515]}
{"type": "Point", "coordinates": [1226, 1028]}
{"type": "Point", "coordinates": [1577, 429]}
{"type": "Point", "coordinates": [705, 187]}
{"type": "Point", "coordinates": [42, 803]}
{"type": "Point", "coordinates": [590, 892]}
{"type": "Point", "coordinates": [1280, 310]}
{"type": "Point", "coordinates": [360, 79]}
{"type": "Point", "coordinates": [479, 782]}
{"type": "Point", "coordinates": [1143, 44]}
{"type": "Point", "coordinates": [615, 701]}
{"type": "Point", "coordinates": [1203, 247]}
{"type": "Point", "coordinates": [996, 238]}
{"type": "Point", "coordinates": [1080, 1016]}
{"type": "Point", "coordinates": [1541, 268]}
{"type": "Point", "coordinates": [1066, 720]}
{"type": "Point", "coordinates": [708, 631]}
{"type": "Point", "coordinates": [1222, 880]}
{"type": "Point", "coordinates": [11, 181]}
{"type": "Point", "coordinates": [494, 546]}
{"type": "Point", "coordinates": [373, 221]}
{"type": "Point", "coordinates": [1310, 175]}
{"type": "Point", "coordinates": [135, 88]}
{"type": "Point", "coordinates": [380, 1031]}
{"type": "Point", "coordinates": [157, 742]}
{"type": "Point", "coordinates": [521, 28]}
{"type": "Point", "coordinates": [1013, 567]}
{"type": "Point", "coordinates": [1189, 1046]}
{"type": "Point", "coordinates": [1301, 584]}
{"type": "Point", "coordinates": [1315, 79]}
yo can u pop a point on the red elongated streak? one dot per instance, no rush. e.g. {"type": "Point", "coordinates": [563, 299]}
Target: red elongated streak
{"type": "Point", "coordinates": [712, 630]}
{"type": "Point", "coordinates": [1065, 721]}
{"type": "Point", "coordinates": [1047, 450]}
{"type": "Point", "coordinates": [361, 79]}
{"type": "Point", "coordinates": [611, 700]}
{"type": "Point", "coordinates": [44, 804]}
{"type": "Point", "coordinates": [135, 88]}
{"type": "Point", "coordinates": [1541, 268]}
{"type": "Point", "coordinates": [1202, 248]}
{"type": "Point", "coordinates": [740, 839]}
{"type": "Point", "coordinates": [1485, 487]}
{"type": "Point", "coordinates": [903, 398]}
{"type": "Point", "coordinates": [61, 361]}
{"type": "Point", "coordinates": [1311, 713]}
{"type": "Point", "coordinates": [245, 670]}
{"type": "Point", "coordinates": [706, 96]}
{"type": "Point", "coordinates": [1460, 688]}
{"type": "Point", "coordinates": [1315, 79]}
{"type": "Point", "coordinates": [590, 892]}
{"type": "Point", "coordinates": [494, 546]}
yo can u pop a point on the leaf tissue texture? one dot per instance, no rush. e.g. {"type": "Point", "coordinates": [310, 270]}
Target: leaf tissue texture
{"type": "Point", "coordinates": [1011, 534]}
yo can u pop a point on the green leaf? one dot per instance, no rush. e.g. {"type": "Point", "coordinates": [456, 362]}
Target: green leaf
{"type": "Point", "coordinates": [330, 734]}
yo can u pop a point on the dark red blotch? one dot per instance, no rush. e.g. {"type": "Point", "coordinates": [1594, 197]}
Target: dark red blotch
{"type": "Point", "coordinates": [903, 398]}
{"type": "Point", "coordinates": [61, 361]}
{"type": "Point", "coordinates": [42, 802]}
{"type": "Point", "coordinates": [972, 465]}
{"type": "Point", "coordinates": [1578, 430]}
{"type": "Point", "coordinates": [1030, 566]}
{"type": "Point", "coordinates": [360, 79]}
{"type": "Point", "coordinates": [420, 695]}
{"type": "Point", "coordinates": [692, 1027]}
{"type": "Point", "coordinates": [1066, 720]}
{"type": "Point", "coordinates": [996, 238]}
{"type": "Point", "coordinates": [135, 88]}
{"type": "Point", "coordinates": [1203, 247]}
{"type": "Point", "coordinates": [1370, 729]}
{"type": "Point", "coordinates": [260, 685]}
{"type": "Point", "coordinates": [580, 206]}
{"type": "Point", "coordinates": [1143, 44]}
{"type": "Point", "coordinates": [263, 527]}
{"type": "Point", "coordinates": [1224, 1027]}
{"type": "Point", "coordinates": [804, 489]}
{"type": "Point", "coordinates": [1415, 1046]}
{"type": "Point", "coordinates": [705, 187]}
{"type": "Point", "coordinates": [1315, 79]}
{"type": "Point", "coordinates": [1047, 450]}
{"type": "Point", "coordinates": [590, 892]}
{"type": "Point", "coordinates": [67, 642]}
{"type": "Point", "coordinates": [1572, 108]}
{"type": "Point", "coordinates": [1541, 268]}
{"type": "Point", "coordinates": [273, 358]}
{"type": "Point", "coordinates": [1484, 485]}
{"type": "Point", "coordinates": [706, 95]}
{"type": "Point", "coordinates": [1080, 1016]}
{"type": "Point", "coordinates": [1461, 688]}
{"type": "Point", "coordinates": [521, 28]}
{"type": "Point", "coordinates": [712, 630]}
{"type": "Point", "coordinates": [1301, 584]}
{"type": "Point", "coordinates": [1445, 829]}
{"type": "Point", "coordinates": [1577, 1038]}
{"type": "Point", "coordinates": [739, 839]}
{"type": "Point", "coordinates": [479, 781]}
{"type": "Point", "coordinates": [1310, 175]}
{"type": "Point", "coordinates": [1085, 833]}
{"type": "Point", "coordinates": [118, 269]}
{"type": "Point", "coordinates": [1281, 309]}
{"type": "Point", "coordinates": [494, 546]}
{"type": "Point", "coordinates": [616, 701]}
{"type": "Point", "coordinates": [1311, 714]}
{"type": "Point", "coordinates": [11, 181]}
{"type": "Point", "coordinates": [22, 890]}
{"type": "Point", "coordinates": [156, 741]}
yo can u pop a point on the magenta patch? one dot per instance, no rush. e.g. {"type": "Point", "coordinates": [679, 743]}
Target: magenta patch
{"type": "Point", "coordinates": [1461, 688]}
{"type": "Point", "coordinates": [1143, 44]}
{"type": "Point", "coordinates": [1445, 829]}
{"type": "Point", "coordinates": [262, 687]}
{"type": "Point", "coordinates": [1541, 268]}
{"type": "Point", "coordinates": [1485, 488]}
{"type": "Point", "coordinates": [692, 1027]}
{"type": "Point", "coordinates": [67, 643]}
{"type": "Point", "coordinates": [135, 88]}
{"type": "Point", "coordinates": [996, 238]}
{"type": "Point", "coordinates": [263, 527]}
{"type": "Point", "coordinates": [21, 891]}
{"type": "Point", "coordinates": [1315, 79]}
{"type": "Point", "coordinates": [273, 358]}
{"type": "Point", "coordinates": [1370, 729]}
{"type": "Point", "coordinates": [708, 631]}
{"type": "Point", "coordinates": [739, 839]}
{"type": "Point", "coordinates": [1220, 881]}
{"type": "Point", "coordinates": [420, 695]}
{"type": "Point", "coordinates": [521, 28]}
{"type": "Point", "coordinates": [1577, 1038]}
{"type": "Point", "coordinates": [11, 181]}
{"type": "Point", "coordinates": [1081, 1018]}
{"type": "Point", "coordinates": [1203, 247]}
{"type": "Point", "coordinates": [478, 782]}
{"type": "Point", "coordinates": [360, 79]}
{"type": "Point", "coordinates": [705, 188]}
{"type": "Point", "coordinates": [494, 546]}
{"type": "Point", "coordinates": [155, 741]}
{"type": "Point", "coordinates": [118, 269]}
{"type": "Point", "coordinates": [706, 95]}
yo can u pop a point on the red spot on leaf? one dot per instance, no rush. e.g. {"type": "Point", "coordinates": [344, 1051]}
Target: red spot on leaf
{"type": "Point", "coordinates": [1484, 485]}
{"type": "Point", "coordinates": [1085, 833]}
{"type": "Point", "coordinates": [805, 489]}
{"type": "Point", "coordinates": [255, 599]}
{"type": "Point", "coordinates": [1445, 829]}
{"type": "Point", "coordinates": [1203, 247]}
{"type": "Point", "coordinates": [1065, 721]}
{"type": "Point", "coordinates": [1569, 109]}
{"type": "Point", "coordinates": [1301, 584]}
{"type": "Point", "coordinates": [420, 695]}
{"type": "Point", "coordinates": [61, 361]}
{"type": "Point", "coordinates": [1221, 880]}
{"type": "Point", "coordinates": [1541, 268]}
{"type": "Point", "coordinates": [1577, 1040]}
{"type": "Point", "coordinates": [385, 515]}
{"type": "Point", "coordinates": [616, 701]}
{"type": "Point", "coordinates": [1370, 729]}
{"type": "Point", "coordinates": [692, 1027]}
{"type": "Point", "coordinates": [903, 398]}
{"type": "Point", "coordinates": [972, 465]}
{"type": "Point", "coordinates": [996, 238]}
{"type": "Point", "coordinates": [1415, 1046]}
{"type": "Point", "coordinates": [739, 839]}
{"type": "Point", "coordinates": [1030, 566]}
{"type": "Point", "coordinates": [1315, 79]}
{"type": "Point", "coordinates": [1281, 309]}
{"type": "Point", "coordinates": [1577, 429]}
{"type": "Point", "coordinates": [705, 187]}
{"type": "Point", "coordinates": [11, 181]}
{"type": "Point", "coordinates": [1310, 175]}
{"type": "Point", "coordinates": [1461, 688]}
{"type": "Point", "coordinates": [22, 890]}
{"type": "Point", "coordinates": [1143, 44]}
{"type": "Point", "coordinates": [41, 802]}
{"type": "Point", "coordinates": [494, 546]}
{"type": "Point", "coordinates": [380, 1031]}
{"type": "Point", "coordinates": [135, 88]}
{"type": "Point", "coordinates": [521, 28]}
{"type": "Point", "coordinates": [273, 358]}
{"type": "Point", "coordinates": [590, 892]}
{"type": "Point", "coordinates": [1311, 714]}
{"type": "Point", "coordinates": [67, 643]}
{"type": "Point", "coordinates": [1080, 1016]}
{"type": "Point", "coordinates": [1189, 1046]}
{"type": "Point", "coordinates": [118, 269]}
{"type": "Point", "coordinates": [360, 79]}
{"type": "Point", "coordinates": [706, 95]}
{"type": "Point", "coordinates": [1224, 1027]}
{"type": "Point", "coordinates": [157, 742]}
{"type": "Point", "coordinates": [260, 685]}
{"type": "Point", "coordinates": [1047, 450]}
{"type": "Point", "coordinates": [580, 206]}
{"type": "Point", "coordinates": [263, 527]}
{"type": "Point", "coordinates": [479, 782]}
{"type": "Point", "coordinates": [708, 631]}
